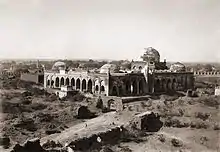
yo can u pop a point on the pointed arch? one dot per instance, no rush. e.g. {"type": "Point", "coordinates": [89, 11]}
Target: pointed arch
{"type": "Point", "coordinates": [83, 84]}
{"type": "Point", "coordinates": [57, 82]}
{"type": "Point", "coordinates": [61, 81]}
{"type": "Point", "coordinates": [90, 85]}
{"type": "Point", "coordinates": [67, 81]}
{"type": "Point", "coordinates": [72, 82]}
{"type": "Point", "coordinates": [78, 83]}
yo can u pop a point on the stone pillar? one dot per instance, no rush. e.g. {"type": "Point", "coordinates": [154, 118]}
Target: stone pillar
{"type": "Point", "coordinates": [45, 81]}
{"type": "Point", "coordinates": [138, 87]}
{"type": "Point", "coordinates": [50, 81]}
{"type": "Point", "coordinates": [81, 85]}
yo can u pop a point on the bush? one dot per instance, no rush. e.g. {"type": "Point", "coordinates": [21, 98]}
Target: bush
{"type": "Point", "coordinates": [216, 127]}
{"type": "Point", "coordinates": [161, 138]}
{"type": "Point", "coordinates": [203, 116]}
{"type": "Point", "coordinates": [38, 106]}
{"type": "Point", "coordinates": [99, 103]}
{"type": "Point", "coordinates": [176, 143]}
{"type": "Point", "coordinates": [199, 125]}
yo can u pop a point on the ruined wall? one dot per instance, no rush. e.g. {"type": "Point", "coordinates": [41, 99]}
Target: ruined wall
{"type": "Point", "coordinates": [173, 81]}
{"type": "Point", "coordinates": [133, 84]}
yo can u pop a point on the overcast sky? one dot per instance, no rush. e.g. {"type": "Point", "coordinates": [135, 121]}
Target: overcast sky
{"type": "Point", "coordinates": [182, 30]}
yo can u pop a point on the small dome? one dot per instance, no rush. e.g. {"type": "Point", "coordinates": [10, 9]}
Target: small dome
{"type": "Point", "coordinates": [106, 67]}
{"type": "Point", "coordinates": [151, 54]}
{"type": "Point", "coordinates": [59, 65]}
{"type": "Point", "coordinates": [178, 67]}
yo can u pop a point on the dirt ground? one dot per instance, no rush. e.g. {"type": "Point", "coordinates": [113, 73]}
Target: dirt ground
{"type": "Point", "coordinates": [190, 123]}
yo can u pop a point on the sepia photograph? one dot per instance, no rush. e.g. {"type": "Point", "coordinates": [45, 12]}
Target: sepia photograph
{"type": "Point", "coordinates": [110, 76]}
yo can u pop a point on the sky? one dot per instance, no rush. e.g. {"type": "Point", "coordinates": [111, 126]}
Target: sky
{"type": "Point", "coordinates": [181, 30]}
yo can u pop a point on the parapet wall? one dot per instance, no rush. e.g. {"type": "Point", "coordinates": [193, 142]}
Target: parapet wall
{"type": "Point", "coordinates": [210, 74]}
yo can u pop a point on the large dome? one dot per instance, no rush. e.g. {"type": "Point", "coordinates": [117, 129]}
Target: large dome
{"type": "Point", "coordinates": [151, 54]}
{"type": "Point", "coordinates": [59, 65]}
{"type": "Point", "coordinates": [112, 68]}
{"type": "Point", "coordinates": [178, 67]}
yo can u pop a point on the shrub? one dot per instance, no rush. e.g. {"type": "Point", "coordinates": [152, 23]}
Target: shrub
{"type": "Point", "coordinates": [161, 138]}
{"type": "Point", "coordinates": [176, 143]}
{"type": "Point", "coordinates": [216, 127]}
{"type": "Point", "coordinates": [99, 103]}
{"type": "Point", "coordinates": [203, 116]}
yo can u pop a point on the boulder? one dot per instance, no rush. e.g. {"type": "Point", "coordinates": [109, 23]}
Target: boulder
{"type": "Point", "coordinates": [5, 142]}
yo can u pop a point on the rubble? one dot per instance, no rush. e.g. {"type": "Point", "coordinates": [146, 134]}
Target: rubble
{"type": "Point", "coordinates": [147, 121]}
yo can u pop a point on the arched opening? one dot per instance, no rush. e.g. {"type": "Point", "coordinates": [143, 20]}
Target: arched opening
{"type": "Point", "coordinates": [72, 82]}
{"type": "Point", "coordinates": [96, 88]}
{"type": "Point", "coordinates": [57, 82]}
{"type": "Point", "coordinates": [102, 88]}
{"type": "Point", "coordinates": [169, 84]}
{"type": "Point", "coordinates": [78, 83]}
{"type": "Point", "coordinates": [134, 67]}
{"type": "Point", "coordinates": [90, 85]}
{"type": "Point", "coordinates": [140, 67]}
{"type": "Point", "coordinates": [120, 91]}
{"type": "Point", "coordinates": [67, 81]}
{"type": "Point", "coordinates": [111, 105]}
{"type": "Point", "coordinates": [48, 82]}
{"type": "Point", "coordinates": [141, 86]}
{"type": "Point", "coordinates": [128, 87]}
{"type": "Point", "coordinates": [164, 86]}
{"type": "Point", "coordinates": [62, 81]}
{"type": "Point", "coordinates": [52, 83]}
{"type": "Point", "coordinates": [83, 85]}
{"type": "Point", "coordinates": [157, 85]}
{"type": "Point", "coordinates": [114, 91]}
{"type": "Point", "coordinates": [174, 84]}
{"type": "Point", "coordinates": [134, 87]}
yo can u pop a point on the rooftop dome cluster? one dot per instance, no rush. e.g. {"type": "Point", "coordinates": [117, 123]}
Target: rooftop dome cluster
{"type": "Point", "coordinates": [112, 68]}
{"type": "Point", "coordinates": [177, 67]}
{"type": "Point", "coordinates": [59, 66]}
{"type": "Point", "coordinates": [151, 55]}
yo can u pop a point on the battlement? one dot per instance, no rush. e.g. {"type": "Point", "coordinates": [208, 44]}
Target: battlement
{"type": "Point", "coordinates": [204, 73]}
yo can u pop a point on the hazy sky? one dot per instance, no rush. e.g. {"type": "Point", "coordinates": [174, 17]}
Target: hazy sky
{"type": "Point", "coordinates": [182, 30]}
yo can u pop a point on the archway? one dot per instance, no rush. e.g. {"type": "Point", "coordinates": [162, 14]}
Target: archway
{"type": "Point", "coordinates": [90, 85]}
{"type": "Point", "coordinates": [78, 83]}
{"type": "Point", "coordinates": [128, 87]}
{"type": "Point", "coordinates": [140, 67]}
{"type": "Point", "coordinates": [111, 105]}
{"type": "Point", "coordinates": [72, 82]}
{"type": "Point", "coordinates": [169, 84]}
{"type": "Point", "coordinates": [102, 88]}
{"type": "Point", "coordinates": [96, 88]}
{"type": "Point", "coordinates": [174, 84]}
{"type": "Point", "coordinates": [120, 91]}
{"type": "Point", "coordinates": [52, 83]}
{"type": "Point", "coordinates": [114, 91]}
{"type": "Point", "coordinates": [134, 87]}
{"type": "Point", "coordinates": [48, 82]}
{"type": "Point", "coordinates": [57, 82]}
{"type": "Point", "coordinates": [141, 86]}
{"type": "Point", "coordinates": [61, 81]}
{"type": "Point", "coordinates": [67, 81]}
{"type": "Point", "coordinates": [164, 86]}
{"type": "Point", "coordinates": [83, 85]}
{"type": "Point", "coordinates": [157, 85]}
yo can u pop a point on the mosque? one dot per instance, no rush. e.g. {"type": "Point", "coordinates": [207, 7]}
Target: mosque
{"type": "Point", "coordinates": [145, 77]}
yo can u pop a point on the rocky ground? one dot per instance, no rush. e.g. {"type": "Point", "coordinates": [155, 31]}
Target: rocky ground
{"type": "Point", "coordinates": [189, 123]}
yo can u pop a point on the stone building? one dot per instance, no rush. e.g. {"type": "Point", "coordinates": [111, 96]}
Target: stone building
{"type": "Point", "coordinates": [145, 77]}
